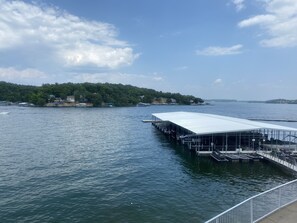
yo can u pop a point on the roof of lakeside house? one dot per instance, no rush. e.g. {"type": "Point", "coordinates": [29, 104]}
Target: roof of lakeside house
{"type": "Point", "coordinates": [203, 123]}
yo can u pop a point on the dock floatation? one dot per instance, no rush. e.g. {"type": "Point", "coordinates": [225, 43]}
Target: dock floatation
{"type": "Point", "coordinates": [223, 136]}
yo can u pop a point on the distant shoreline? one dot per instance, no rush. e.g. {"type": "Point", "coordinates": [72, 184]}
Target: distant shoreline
{"type": "Point", "coordinates": [273, 101]}
{"type": "Point", "coordinates": [88, 105]}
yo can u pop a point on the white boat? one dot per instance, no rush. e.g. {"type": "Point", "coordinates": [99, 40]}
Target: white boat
{"type": "Point", "coordinates": [4, 113]}
{"type": "Point", "coordinates": [141, 104]}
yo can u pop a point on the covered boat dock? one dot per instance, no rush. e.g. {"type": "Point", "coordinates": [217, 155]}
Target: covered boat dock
{"type": "Point", "coordinates": [208, 134]}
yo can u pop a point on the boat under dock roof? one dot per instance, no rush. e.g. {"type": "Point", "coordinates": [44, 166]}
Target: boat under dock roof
{"type": "Point", "coordinates": [203, 123]}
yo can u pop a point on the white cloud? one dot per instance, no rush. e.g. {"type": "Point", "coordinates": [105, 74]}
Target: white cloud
{"type": "Point", "coordinates": [220, 51]}
{"type": "Point", "coordinates": [74, 40]}
{"type": "Point", "coordinates": [182, 68]}
{"type": "Point", "coordinates": [279, 23]}
{"type": "Point", "coordinates": [158, 78]}
{"type": "Point", "coordinates": [258, 20]}
{"type": "Point", "coordinates": [102, 56]}
{"type": "Point", "coordinates": [116, 78]}
{"type": "Point", "coordinates": [12, 74]}
{"type": "Point", "coordinates": [218, 81]}
{"type": "Point", "coordinates": [155, 77]}
{"type": "Point", "coordinates": [239, 4]}
{"type": "Point", "coordinates": [25, 76]}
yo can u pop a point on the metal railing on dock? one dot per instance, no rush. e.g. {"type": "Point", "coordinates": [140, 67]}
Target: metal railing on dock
{"type": "Point", "coordinates": [278, 160]}
{"type": "Point", "coordinates": [259, 206]}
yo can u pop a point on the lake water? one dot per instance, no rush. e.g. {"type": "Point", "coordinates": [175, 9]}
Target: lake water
{"type": "Point", "coordinates": [105, 165]}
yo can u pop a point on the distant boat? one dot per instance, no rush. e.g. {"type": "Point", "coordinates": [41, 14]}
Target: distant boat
{"type": "Point", "coordinates": [141, 104]}
{"type": "Point", "coordinates": [81, 105]}
{"type": "Point", "coordinates": [26, 104]}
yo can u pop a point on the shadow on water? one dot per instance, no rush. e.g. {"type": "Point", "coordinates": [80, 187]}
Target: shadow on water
{"type": "Point", "coordinates": [204, 165]}
{"type": "Point", "coordinates": [197, 166]}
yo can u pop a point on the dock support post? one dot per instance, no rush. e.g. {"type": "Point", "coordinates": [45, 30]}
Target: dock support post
{"type": "Point", "coordinates": [279, 197]}
{"type": "Point", "coordinates": [226, 142]}
{"type": "Point", "coordinates": [252, 213]}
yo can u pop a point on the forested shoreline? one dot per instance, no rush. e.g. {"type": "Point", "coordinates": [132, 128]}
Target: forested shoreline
{"type": "Point", "coordinates": [97, 94]}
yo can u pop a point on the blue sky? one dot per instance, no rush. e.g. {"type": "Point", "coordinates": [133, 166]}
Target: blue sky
{"type": "Point", "coordinates": [235, 49]}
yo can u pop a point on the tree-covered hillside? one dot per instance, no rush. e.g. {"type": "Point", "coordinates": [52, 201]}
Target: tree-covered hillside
{"type": "Point", "coordinates": [98, 94]}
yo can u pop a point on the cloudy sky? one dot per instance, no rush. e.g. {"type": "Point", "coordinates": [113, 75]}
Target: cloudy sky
{"type": "Point", "coordinates": [236, 49]}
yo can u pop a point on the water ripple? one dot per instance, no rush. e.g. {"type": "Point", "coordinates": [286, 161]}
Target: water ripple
{"type": "Point", "coordinates": [104, 165]}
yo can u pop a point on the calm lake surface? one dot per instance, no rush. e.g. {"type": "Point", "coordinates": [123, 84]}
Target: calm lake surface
{"type": "Point", "coordinates": [105, 165]}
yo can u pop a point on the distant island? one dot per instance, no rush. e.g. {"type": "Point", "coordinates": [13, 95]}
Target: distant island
{"type": "Point", "coordinates": [88, 95]}
{"type": "Point", "coordinates": [282, 101]}
{"type": "Point", "coordinates": [273, 101]}
{"type": "Point", "coordinates": [221, 100]}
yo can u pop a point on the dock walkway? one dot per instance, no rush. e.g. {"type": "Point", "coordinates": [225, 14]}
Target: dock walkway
{"type": "Point", "coordinates": [278, 161]}
{"type": "Point", "coordinates": [287, 214]}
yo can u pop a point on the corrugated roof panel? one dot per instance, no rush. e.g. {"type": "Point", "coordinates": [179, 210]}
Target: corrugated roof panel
{"type": "Point", "coordinates": [202, 123]}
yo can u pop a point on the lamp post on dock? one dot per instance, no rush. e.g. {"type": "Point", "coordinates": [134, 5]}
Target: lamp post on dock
{"type": "Point", "coordinates": [253, 140]}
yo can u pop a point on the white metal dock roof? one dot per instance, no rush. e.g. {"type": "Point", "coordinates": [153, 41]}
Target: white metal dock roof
{"type": "Point", "coordinates": [202, 123]}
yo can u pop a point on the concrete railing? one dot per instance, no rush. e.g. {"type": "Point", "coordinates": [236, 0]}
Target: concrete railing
{"type": "Point", "coordinates": [259, 206]}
